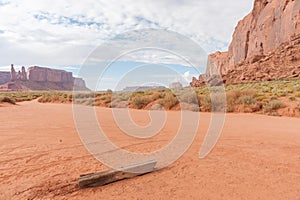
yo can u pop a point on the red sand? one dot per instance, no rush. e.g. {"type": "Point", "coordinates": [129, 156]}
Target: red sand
{"type": "Point", "coordinates": [257, 157]}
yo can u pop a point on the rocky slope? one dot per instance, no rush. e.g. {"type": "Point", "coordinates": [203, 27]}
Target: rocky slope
{"type": "Point", "coordinates": [265, 45]}
{"type": "Point", "coordinates": [40, 78]}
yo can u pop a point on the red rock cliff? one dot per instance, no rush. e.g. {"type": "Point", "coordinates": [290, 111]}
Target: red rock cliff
{"type": "Point", "coordinates": [265, 44]}
{"type": "Point", "coordinates": [40, 78]}
{"type": "Point", "coordinates": [41, 74]}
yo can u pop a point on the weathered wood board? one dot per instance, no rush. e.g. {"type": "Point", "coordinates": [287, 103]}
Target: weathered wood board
{"type": "Point", "coordinates": [113, 175]}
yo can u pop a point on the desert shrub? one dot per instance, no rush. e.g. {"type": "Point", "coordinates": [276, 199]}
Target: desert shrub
{"type": "Point", "coordinates": [219, 102]}
{"type": "Point", "coordinates": [190, 107]}
{"type": "Point", "coordinates": [231, 98]}
{"type": "Point", "coordinates": [169, 100]}
{"type": "Point", "coordinates": [266, 89]}
{"type": "Point", "coordinates": [202, 91]}
{"type": "Point", "coordinates": [199, 97]}
{"type": "Point", "coordinates": [22, 96]}
{"type": "Point", "coordinates": [123, 96]}
{"type": "Point", "coordinates": [249, 92]}
{"type": "Point", "coordinates": [298, 107]}
{"type": "Point", "coordinates": [107, 99]}
{"type": "Point", "coordinates": [119, 104]}
{"type": "Point", "coordinates": [289, 90]}
{"type": "Point", "coordinates": [237, 96]}
{"type": "Point", "coordinates": [230, 108]}
{"type": "Point", "coordinates": [140, 101]}
{"type": "Point", "coordinates": [296, 87]}
{"type": "Point", "coordinates": [273, 106]}
{"type": "Point", "coordinates": [247, 100]}
{"type": "Point", "coordinates": [257, 107]}
{"type": "Point", "coordinates": [55, 97]}
{"type": "Point", "coordinates": [84, 95]}
{"type": "Point", "coordinates": [233, 95]}
{"type": "Point", "coordinates": [274, 97]}
{"type": "Point", "coordinates": [297, 95]}
{"type": "Point", "coordinates": [292, 98]}
{"type": "Point", "coordinates": [260, 97]}
{"type": "Point", "coordinates": [7, 100]}
{"type": "Point", "coordinates": [148, 92]}
{"type": "Point", "coordinates": [190, 98]}
{"type": "Point", "coordinates": [156, 95]}
{"type": "Point", "coordinates": [282, 93]}
{"type": "Point", "coordinates": [205, 103]}
{"type": "Point", "coordinates": [70, 98]}
{"type": "Point", "coordinates": [89, 102]}
{"type": "Point", "coordinates": [214, 102]}
{"type": "Point", "coordinates": [236, 93]}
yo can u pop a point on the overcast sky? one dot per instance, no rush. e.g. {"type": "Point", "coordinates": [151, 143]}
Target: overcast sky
{"type": "Point", "coordinates": [62, 33]}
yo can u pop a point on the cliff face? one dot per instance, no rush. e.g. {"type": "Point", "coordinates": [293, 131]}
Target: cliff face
{"type": "Point", "coordinates": [41, 74]}
{"type": "Point", "coordinates": [265, 44]}
{"type": "Point", "coordinates": [40, 78]}
{"type": "Point", "coordinates": [269, 25]}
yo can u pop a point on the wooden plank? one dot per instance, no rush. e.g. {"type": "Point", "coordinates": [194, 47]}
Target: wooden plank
{"type": "Point", "coordinates": [113, 175]}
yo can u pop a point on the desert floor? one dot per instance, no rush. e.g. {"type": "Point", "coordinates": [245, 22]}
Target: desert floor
{"type": "Point", "coordinates": [257, 157]}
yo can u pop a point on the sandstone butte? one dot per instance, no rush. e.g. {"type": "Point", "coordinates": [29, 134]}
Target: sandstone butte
{"type": "Point", "coordinates": [39, 78]}
{"type": "Point", "coordinates": [265, 46]}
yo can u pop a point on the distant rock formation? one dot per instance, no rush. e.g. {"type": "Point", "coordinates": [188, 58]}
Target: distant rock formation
{"type": "Point", "coordinates": [40, 78]}
{"type": "Point", "coordinates": [4, 77]}
{"type": "Point", "coordinates": [13, 75]}
{"type": "Point", "coordinates": [175, 85]}
{"type": "Point", "coordinates": [265, 45]}
{"type": "Point", "coordinates": [23, 74]}
{"type": "Point", "coordinates": [141, 88]}
{"type": "Point", "coordinates": [41, 74]}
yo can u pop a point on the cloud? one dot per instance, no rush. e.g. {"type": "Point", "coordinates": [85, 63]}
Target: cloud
{"type": "Point", "coordinates": [61, 32]}
{"type": "Point", "coordinates": [4, 68]}
{"type": "Point", "coordinates": [186, 75]}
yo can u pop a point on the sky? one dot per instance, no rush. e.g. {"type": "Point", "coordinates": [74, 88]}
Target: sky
{"type": "Point", "coordinates": [64, 34]}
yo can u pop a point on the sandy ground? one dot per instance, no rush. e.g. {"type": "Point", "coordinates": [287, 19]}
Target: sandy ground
{"type": "Point", "coordinates": [257, 157]}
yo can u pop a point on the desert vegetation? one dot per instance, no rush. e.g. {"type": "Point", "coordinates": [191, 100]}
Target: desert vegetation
{"type": "Point", "coordinates": [280, 97]}
{"type": "Point", "coordinates": [7, 100]}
